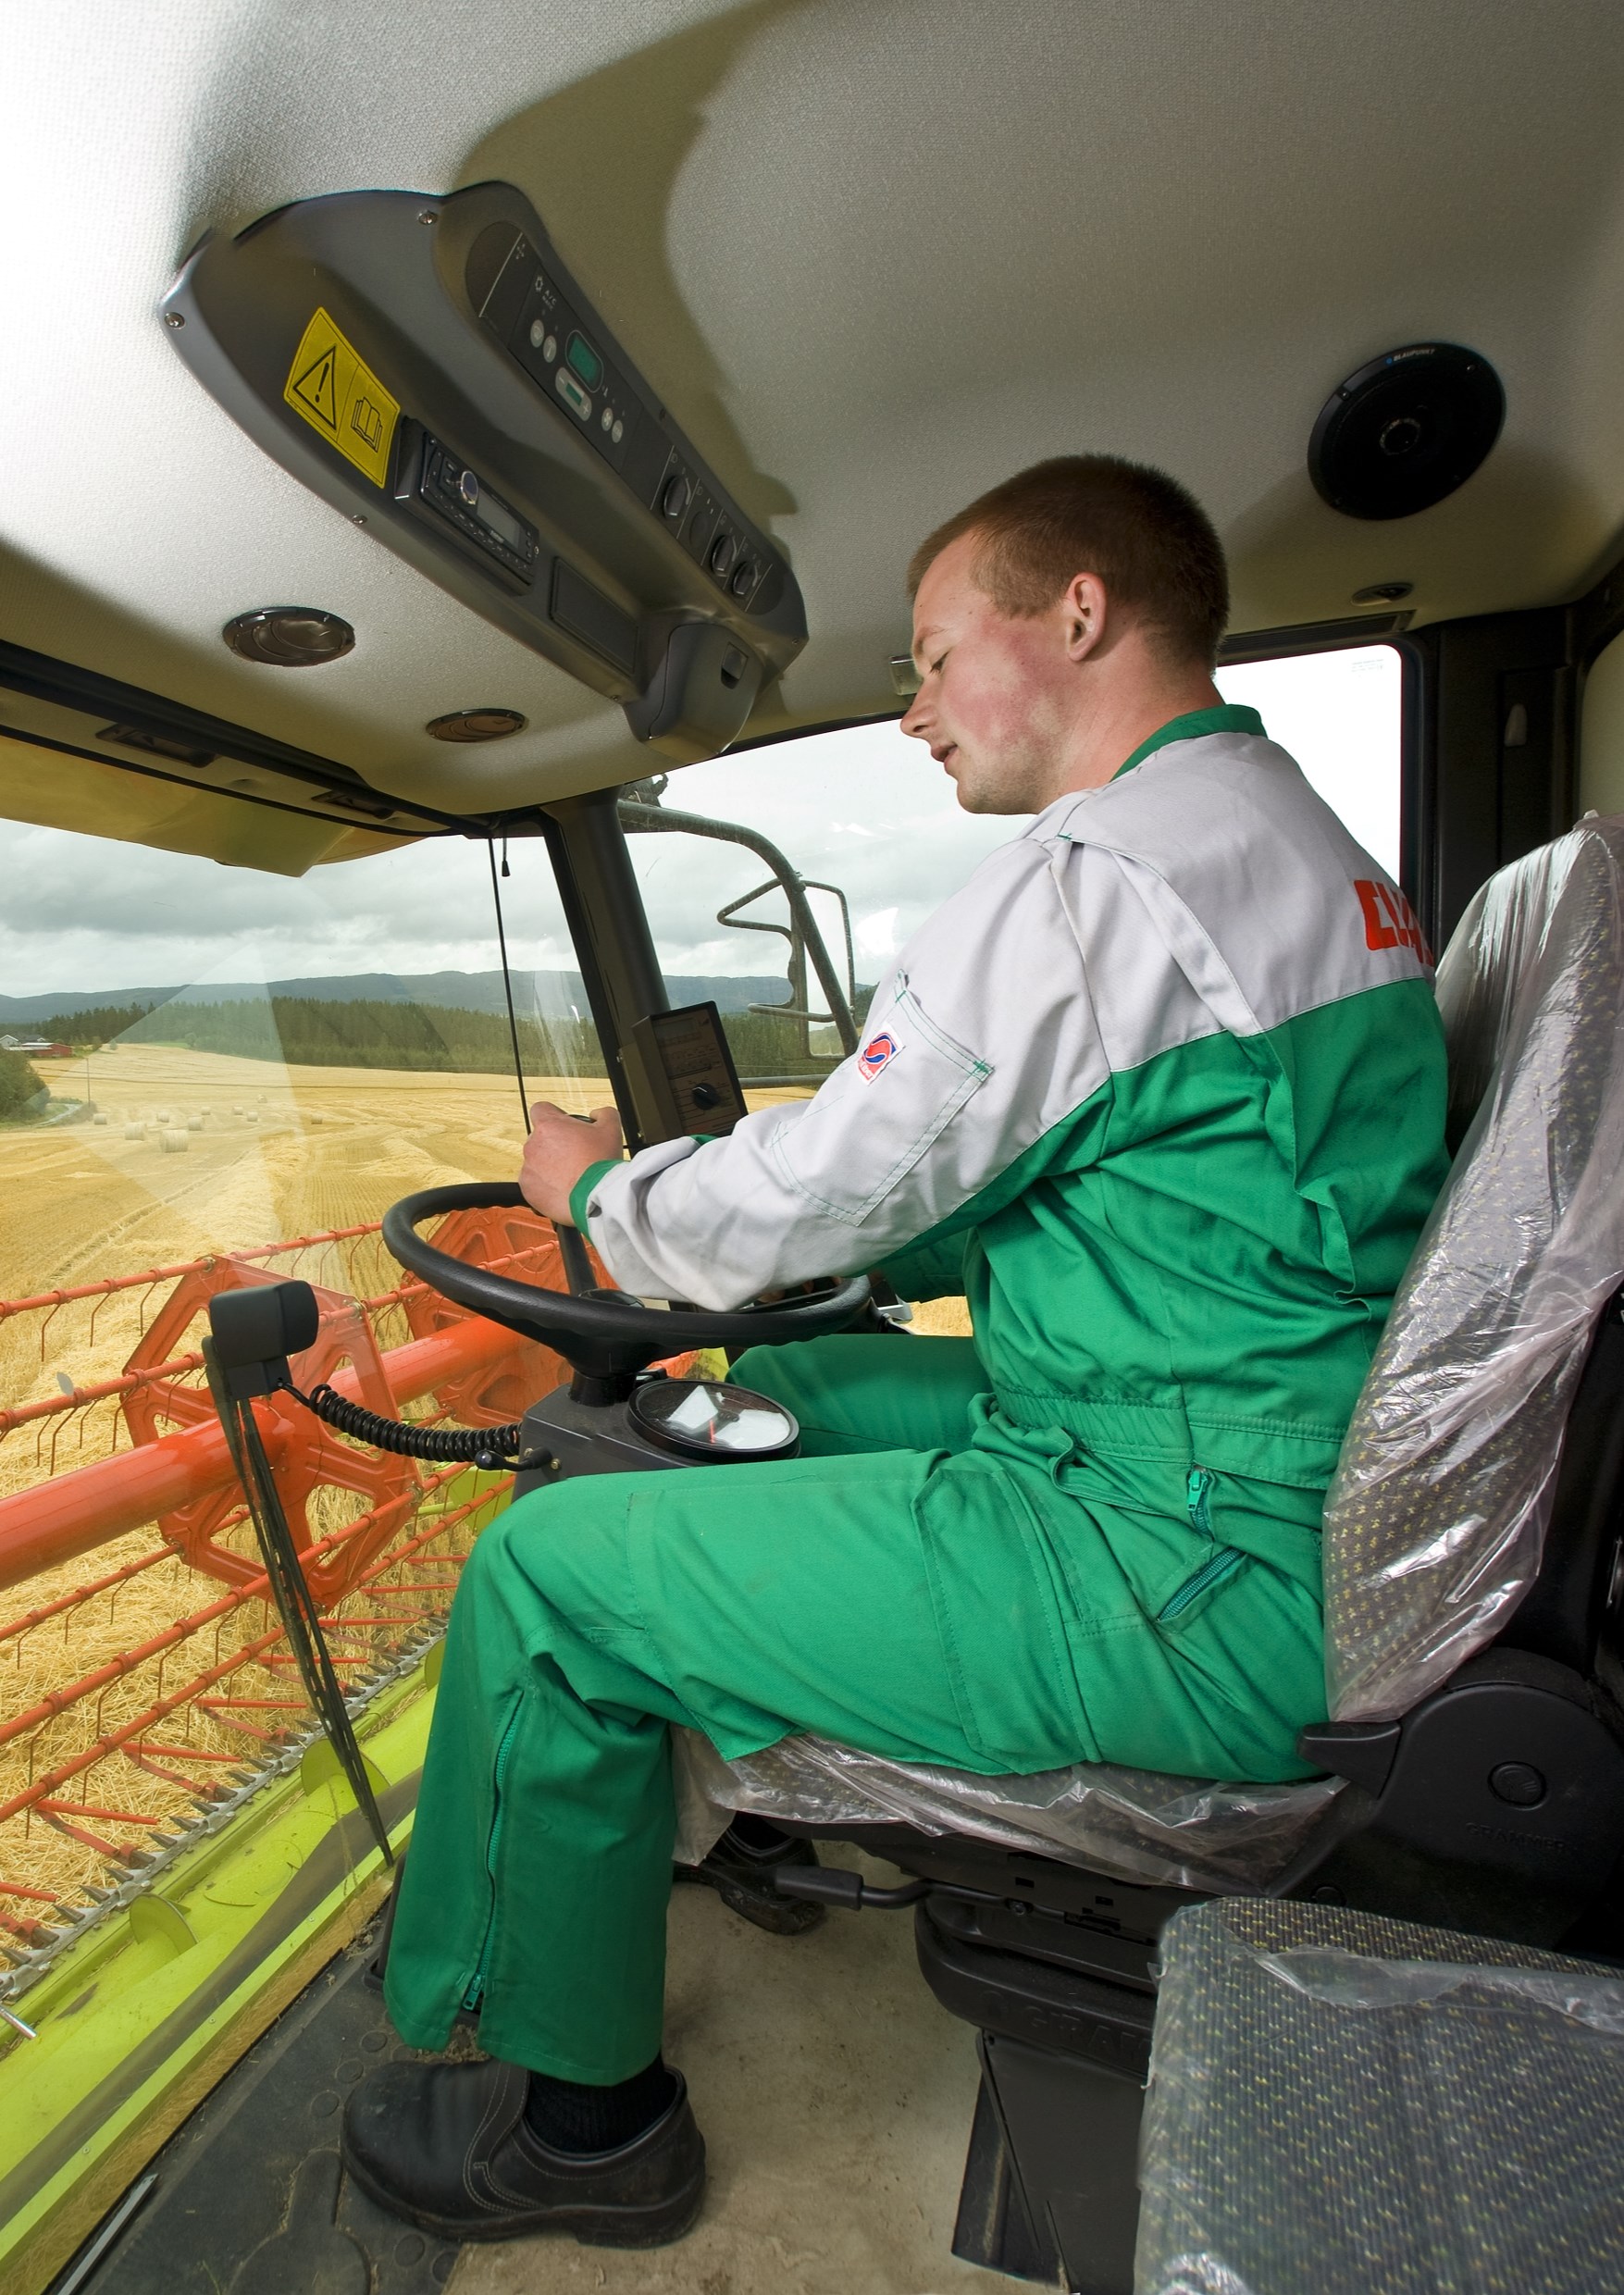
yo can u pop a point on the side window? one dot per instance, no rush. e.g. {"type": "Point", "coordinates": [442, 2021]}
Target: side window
{"type": "Point", "coordinates": [1340, 714]}
{"type": "Point", "coordinates": [866, 820]}
{"type": "Point", "coordinates": [869, 823]}
{"type": "Point", "coordinates": [871, 826]}
{"type": "Point", "coordinates": [1601, 743]}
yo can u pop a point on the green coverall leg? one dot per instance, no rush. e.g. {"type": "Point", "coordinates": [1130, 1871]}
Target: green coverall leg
{"type": "Point", "coordinates": [927, 1583]}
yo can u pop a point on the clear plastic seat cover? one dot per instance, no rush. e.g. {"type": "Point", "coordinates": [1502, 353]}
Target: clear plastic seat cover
{"type": "Point", "coordinates": [1330, 2109]}
{"type": "Point", "coordinates": [1435, 1520]}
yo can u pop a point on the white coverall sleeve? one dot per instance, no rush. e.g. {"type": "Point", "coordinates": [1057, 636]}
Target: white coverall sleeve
{"type": "Point", "coordinates": [983, 1037]}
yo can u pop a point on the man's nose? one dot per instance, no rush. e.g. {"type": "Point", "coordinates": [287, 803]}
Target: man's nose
{"type": "Point", "coordinates": [915, 720]}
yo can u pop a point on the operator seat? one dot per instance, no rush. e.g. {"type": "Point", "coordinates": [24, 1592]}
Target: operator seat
{"type": "Point", "coordinates": [1474, 1590]}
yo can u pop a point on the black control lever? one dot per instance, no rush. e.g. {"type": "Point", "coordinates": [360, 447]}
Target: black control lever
{"type": "Point", "coordinates": [829, 1884]}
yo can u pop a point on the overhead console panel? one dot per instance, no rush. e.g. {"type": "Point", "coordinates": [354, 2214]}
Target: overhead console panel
{"type": "Point", "coordinates": [429, 367]}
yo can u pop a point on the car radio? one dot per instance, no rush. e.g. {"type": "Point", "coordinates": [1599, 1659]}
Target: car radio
{"type": "Point", "coordinates": [431, 475]}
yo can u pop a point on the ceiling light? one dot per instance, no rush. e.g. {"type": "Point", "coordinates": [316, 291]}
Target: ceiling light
{"type": "Point", "coordinates": [289, 637]}
{"type": "Point", "coordinates": [1383, 593]}
{"type": "Point", "coordinates": [477, 725]}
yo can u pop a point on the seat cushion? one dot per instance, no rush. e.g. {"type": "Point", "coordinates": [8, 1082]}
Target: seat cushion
{"type": "Point", "coordinates": [1133, 1824]}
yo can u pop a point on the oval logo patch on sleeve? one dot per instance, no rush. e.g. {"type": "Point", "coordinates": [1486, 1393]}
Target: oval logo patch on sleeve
{"type": "Point", "coordinates": [877, 1054]}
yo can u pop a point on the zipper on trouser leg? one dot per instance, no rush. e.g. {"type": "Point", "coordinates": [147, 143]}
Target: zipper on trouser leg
{"type": "Point", "coordinates": [476, 1990]}
{"type": "Point", "coordinates": [1219, 1564]}
{"type": "Point", "coordinates": [1198, 1485]}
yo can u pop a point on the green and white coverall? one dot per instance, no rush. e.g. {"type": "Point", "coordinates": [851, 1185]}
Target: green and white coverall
{"type": "Point", "coordinates": [1162, 1090]}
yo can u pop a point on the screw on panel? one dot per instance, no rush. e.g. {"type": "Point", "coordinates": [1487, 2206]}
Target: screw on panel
{"type": "Point", "coordinates": [428, 215]}
{"type": "Point", "coordinates": [174, 318]}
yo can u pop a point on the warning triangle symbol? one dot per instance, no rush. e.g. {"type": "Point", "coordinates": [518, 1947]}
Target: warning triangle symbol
{"type": "Point", "coordinates": [315, 387]}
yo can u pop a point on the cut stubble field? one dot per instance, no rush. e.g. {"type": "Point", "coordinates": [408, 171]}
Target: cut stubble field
{"type": "Point", "coordinates": [278, 1152]}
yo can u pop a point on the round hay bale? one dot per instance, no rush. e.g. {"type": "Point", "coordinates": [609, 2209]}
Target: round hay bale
{"type": "Point", "coordinates": [174, 1143]}
{"type": "Point", "coordinates": [195, 1123]}
{"type": "Point", "coordinates": [136, 1131]}
{"type": "Point", "coordinates": [250, 1117]}
{"type": "Point", "coordinates": [162, 1115]}
{"type": "Point", "coordinates": [98, 1119]}
{"type": "Point", "coordinates": [313, 1118]}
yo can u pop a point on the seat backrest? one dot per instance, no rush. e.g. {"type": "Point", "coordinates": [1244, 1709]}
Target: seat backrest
{"type": "Point", "coordinates": [1435, 1521]}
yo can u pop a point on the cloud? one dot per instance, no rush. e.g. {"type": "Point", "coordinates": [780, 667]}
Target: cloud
{"type": "Point", "coordinates": [80, 913]}
{"type": "Point", "coordinates": [865, 810]}
{"type": "Point", "coordinates": [876, 935]}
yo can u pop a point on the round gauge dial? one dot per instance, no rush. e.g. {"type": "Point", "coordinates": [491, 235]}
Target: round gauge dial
{"type": "Point", "coordinates": [710, 1419]}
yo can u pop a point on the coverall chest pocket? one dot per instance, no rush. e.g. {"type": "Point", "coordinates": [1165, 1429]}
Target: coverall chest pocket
{"type": "Point", "coordinates": [876, 1117]}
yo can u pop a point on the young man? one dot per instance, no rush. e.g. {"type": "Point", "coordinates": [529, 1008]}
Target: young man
{"type": "Point", "coordinates": [1162, 1090]}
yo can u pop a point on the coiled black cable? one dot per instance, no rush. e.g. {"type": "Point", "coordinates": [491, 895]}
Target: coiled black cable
{"type": "Point", "coordinates": [487, 1447]}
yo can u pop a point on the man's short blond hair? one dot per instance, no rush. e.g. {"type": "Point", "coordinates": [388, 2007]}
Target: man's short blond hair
{"type": "Point", "coordinates": [1145, 537]}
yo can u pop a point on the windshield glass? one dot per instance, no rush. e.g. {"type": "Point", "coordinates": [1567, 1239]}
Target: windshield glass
{"type": "Point", "coordinates": [233, 1059]}
{"type": "Point", "coordinates": [218, 1077]}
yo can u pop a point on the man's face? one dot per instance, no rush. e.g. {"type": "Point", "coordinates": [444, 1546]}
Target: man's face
{"type": "Point", "coordinates": [996, 697]}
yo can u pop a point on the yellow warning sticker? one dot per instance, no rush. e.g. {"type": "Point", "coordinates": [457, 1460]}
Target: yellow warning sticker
{"type": "Point", "coordinates": [331, 384]}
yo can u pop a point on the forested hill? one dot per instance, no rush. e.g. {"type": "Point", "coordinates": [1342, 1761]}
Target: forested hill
{"type": "Point", "coordinates": [547, 992]}
{"type": "Point", "coordinates": [362, 1033]}
{"type": "Point", "coordinates": [367, 1033]}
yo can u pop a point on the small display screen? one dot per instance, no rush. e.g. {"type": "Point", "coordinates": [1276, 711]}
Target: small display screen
{"type": "Point", "coordinates": [585, 361]}
{"type": "Point", "coordinates": [500, 520]}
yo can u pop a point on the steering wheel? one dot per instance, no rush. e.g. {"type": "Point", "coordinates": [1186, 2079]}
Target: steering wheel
{"type": "Point", "coordinates": [604, 1336]}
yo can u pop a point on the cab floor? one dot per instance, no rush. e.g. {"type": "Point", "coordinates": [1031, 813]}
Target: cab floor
{"type": "Point", "coordinates": [835, 2098]}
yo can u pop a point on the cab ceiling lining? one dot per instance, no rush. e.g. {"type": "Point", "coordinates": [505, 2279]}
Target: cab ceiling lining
{"type": "Point", "coordinates": [875, 254]}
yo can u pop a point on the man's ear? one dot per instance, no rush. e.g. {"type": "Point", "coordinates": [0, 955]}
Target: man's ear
{"type": "Point", "coordinates": [1083, 608]}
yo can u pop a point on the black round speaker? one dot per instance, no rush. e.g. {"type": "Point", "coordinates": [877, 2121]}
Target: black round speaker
{"type": "Point", "coordinates": [1406, 429]}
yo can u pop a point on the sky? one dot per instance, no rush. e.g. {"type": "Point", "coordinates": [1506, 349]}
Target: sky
{"type": "Point", "coordinates": [865, 809]}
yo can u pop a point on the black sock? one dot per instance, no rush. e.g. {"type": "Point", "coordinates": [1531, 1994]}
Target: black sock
{"type": "Point", "coordinates": [572, 2116]}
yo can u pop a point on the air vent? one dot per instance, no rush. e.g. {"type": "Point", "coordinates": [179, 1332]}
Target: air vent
{"type": "Point", "coordinates": [157, 745]}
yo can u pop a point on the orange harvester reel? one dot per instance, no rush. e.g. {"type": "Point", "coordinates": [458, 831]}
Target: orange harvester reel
{"type": "Point", "coordinates": [521, 1244]}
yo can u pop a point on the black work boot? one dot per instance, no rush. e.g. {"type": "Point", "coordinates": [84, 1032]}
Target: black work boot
{"type": "Point", "coordinates": [740, 1868]}
{"type": "Point", "coordinates": [446, 2146]}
